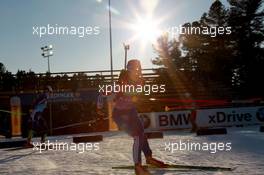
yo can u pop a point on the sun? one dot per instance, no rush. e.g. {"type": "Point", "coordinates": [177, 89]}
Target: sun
{"type": "Point", "coordinates": [146, 30]}
{"type": "Point", "coordinates": [144, 26]}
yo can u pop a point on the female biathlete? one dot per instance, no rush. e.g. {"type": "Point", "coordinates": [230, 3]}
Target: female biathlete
{"type": "Point", "coordinates": [126, 117]}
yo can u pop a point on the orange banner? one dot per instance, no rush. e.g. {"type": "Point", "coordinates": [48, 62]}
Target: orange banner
{"type": "Point", "coordinates": [15, 116]}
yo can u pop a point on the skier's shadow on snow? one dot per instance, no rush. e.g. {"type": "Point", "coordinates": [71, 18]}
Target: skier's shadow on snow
{"type": "Point", "coordinates": [14, 157]}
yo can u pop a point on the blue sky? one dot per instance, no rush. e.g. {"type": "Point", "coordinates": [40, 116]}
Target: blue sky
{"type": "Point", "coordinates": [20, 49]}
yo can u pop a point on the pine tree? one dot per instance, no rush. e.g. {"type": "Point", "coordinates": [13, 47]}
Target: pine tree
{"type": "Point", "coordinates": [235, 60]}
{"type": "Point", "coordinates": [210, 54]}
{"type": "Point", "coordinates": [246, 20]}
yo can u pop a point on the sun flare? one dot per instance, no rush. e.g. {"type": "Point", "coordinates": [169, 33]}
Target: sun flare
{"type": "Point", "coordinates": [146, 30]}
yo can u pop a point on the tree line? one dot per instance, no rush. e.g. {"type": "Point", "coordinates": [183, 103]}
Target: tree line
{"type": "Point", "coordinates": [30, 81]}
{"type": "Point", "coordinates": [235, 61]}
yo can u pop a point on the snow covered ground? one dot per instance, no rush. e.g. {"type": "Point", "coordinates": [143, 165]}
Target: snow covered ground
{"type": "Point", "coordinates": [247, 155]}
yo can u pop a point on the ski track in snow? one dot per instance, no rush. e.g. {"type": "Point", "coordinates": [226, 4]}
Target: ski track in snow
{"type": "Point", "coordinates": [247, 155]}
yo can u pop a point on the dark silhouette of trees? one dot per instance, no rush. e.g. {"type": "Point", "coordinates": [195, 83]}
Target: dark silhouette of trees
{"type": "Point", "coordinates": [2, 68]}
{"type": "Point", "coordinates": [235, 61]}
{"type": "Point", "coordinates": [7, 81]}
{"type": "Point", "coordinates": [30, 81]}
{"type": "Point", "coordinates": [2, 71]}
{"type": "Point", "coordinates": [246, 20]}
{"type": "Point", "coordinates": [169, 53]}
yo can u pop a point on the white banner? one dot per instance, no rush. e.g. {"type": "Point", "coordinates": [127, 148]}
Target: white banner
{"type": "Point", "coordinates": [230, 116]}
{"type": "Point", "coordinates": [204, 118]}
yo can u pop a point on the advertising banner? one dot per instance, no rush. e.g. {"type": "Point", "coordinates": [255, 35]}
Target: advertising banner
{"type": "Point", "coordinates": [205, 118]}
{"type": "Point", "coordinates": [230, 116]}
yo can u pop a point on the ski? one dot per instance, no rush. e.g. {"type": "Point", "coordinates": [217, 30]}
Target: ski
{"type": "Point", "coordinates": [176, 166]}
{"type": "Point", "coordinates": [38, 147]}
{"type": "Point", "coordinates": [18, 148]}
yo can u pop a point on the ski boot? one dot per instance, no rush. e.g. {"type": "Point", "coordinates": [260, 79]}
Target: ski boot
{"type": "Point", "coordinates": [156, 163]}
{"type": "Point", "coordinates": [140, 170]}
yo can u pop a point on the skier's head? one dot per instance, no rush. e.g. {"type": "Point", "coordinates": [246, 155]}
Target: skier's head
{"type": "Point", "coordinates": [134, 69]}
{"type": "Point", "coordinates": [48, 89]}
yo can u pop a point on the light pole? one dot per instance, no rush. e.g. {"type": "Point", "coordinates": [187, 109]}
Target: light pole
{"type": "Point", "coordinates": [126, 47]}
{"type": "Point", "coordinates": [46, 53]}
{"type": "Point", "coordinates": [110, 38]}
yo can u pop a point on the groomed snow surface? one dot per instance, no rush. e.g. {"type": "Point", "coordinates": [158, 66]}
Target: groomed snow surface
{"type": "Point", "coordinates": [247, 155]}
